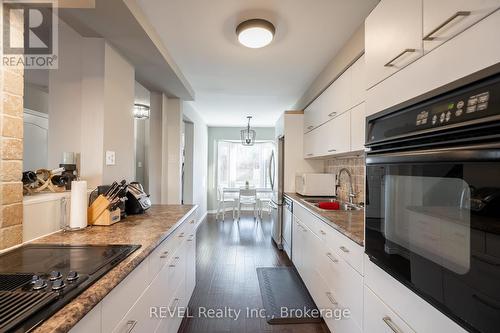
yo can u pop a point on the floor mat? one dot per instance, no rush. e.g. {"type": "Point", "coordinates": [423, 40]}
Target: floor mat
{"type": "Point", "coordinates": [285, 296]}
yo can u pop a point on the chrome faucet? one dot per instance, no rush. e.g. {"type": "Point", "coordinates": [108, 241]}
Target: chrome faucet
{"type": "Point", "coordinates": [351, 194]}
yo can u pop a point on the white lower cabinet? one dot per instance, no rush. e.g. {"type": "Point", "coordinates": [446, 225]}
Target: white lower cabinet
{"type": "Point", "coordinates": [335, 286]}
{"type": "Point", "coordinates": [378, 318]}
{"type": "Point", "coordinates": [155, 295]}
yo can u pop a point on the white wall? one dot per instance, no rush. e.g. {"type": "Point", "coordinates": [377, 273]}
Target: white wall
{"type": "Point", "coordinates": [200, 157]}
{"type": "Point", "coordinates": [36, 98]}
{"type": "Point", "coordinates": [91, 96]}
{"type": "Point", "coordinates": [65, 97]}
{"type": "Point", "coordinates": [155, 147]}
{"type": "Point", "coordinates": [119, 80]}
{"type": "Point", "coordinates": [188, 146]}
{"type": "Point", "coordinates": [92, 122]}
{"type": "Point", "coordinates": [171, 161]}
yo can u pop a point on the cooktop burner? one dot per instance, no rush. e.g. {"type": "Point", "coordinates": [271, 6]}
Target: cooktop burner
{"type": "Point", "coordinates": [38, 280]}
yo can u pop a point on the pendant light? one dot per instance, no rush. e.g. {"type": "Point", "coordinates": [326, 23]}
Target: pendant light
{"type": "Point", "coordinates": [248, 135]}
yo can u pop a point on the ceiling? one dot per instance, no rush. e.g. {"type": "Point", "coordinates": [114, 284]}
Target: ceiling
{"type": "Point", "coordinates": [231, 81]}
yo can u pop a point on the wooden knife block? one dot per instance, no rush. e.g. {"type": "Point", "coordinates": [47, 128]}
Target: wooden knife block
{"type": "Point", "coordinates": [99, 214]}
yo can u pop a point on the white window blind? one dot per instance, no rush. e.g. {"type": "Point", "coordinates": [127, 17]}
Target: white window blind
{"type": "Point", "coordinates": [237, 164]}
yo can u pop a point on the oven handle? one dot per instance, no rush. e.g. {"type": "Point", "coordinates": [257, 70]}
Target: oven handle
{"type": "Point", "coordinates": [476, 152]}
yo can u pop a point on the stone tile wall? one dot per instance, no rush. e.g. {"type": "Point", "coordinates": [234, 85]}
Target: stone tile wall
{"type": "Point", "coordinates": [11, 150]}
{"type": "Point", "coordinates": [356, 165]}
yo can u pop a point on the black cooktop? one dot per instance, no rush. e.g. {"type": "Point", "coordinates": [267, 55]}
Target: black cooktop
{"type": "Point", "coordinates": [37, 280]}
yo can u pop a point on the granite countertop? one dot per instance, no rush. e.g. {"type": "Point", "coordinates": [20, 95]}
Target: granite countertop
{"type": "Point", "coordinates": [147, 230]}
{"type": "Point", "coordinates": [350, 223]}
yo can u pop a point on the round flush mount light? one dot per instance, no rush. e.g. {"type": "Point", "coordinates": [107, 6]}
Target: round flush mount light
{"type": "Point", "coordinates": [255, 33]}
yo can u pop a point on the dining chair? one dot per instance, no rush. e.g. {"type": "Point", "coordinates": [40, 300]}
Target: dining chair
{"type": "Point", "coordinates": [223, 203]}
{"type": "Point", "coordinates": [264, 200]}
{"type": "Point", "coordinates": [248, 197]}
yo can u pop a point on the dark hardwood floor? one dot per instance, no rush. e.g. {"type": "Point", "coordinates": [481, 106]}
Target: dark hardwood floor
{"type": "Point", "coordinates": [227, 256]}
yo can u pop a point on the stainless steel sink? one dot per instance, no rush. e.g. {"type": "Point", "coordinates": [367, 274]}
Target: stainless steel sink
{"type": "Point", "coordinates": [344, 206]}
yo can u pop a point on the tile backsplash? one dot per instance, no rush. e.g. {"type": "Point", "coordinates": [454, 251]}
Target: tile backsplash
{"type": "Point", "coordinates": [356, 165]}
{"type": "Point", "coordinates": [11, 146]}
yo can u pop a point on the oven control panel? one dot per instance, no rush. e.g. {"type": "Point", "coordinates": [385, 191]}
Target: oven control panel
{"type": "Point", "coordinates": [444, 113]}
{"type": "Point", "coordinates": [476, 103]}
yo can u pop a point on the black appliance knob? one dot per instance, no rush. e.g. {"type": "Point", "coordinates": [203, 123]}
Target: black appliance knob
{"type": "Point", "coordinates": [39, 284]}
{"type": "Point", "coordinates": [54, 275]}
{"type": "Point", "coordinates": [58, 284]}
{"type": "Point", "coordinates": [72, 276]}
{"type": "Point", "coordinates": [35, 278]}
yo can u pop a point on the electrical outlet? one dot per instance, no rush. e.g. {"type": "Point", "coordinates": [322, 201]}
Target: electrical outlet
{"type": "Point", "coordinates": [110, 157]}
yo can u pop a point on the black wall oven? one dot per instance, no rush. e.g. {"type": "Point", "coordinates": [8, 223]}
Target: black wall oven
{"type": "Point", "coordinates": [433, 201]}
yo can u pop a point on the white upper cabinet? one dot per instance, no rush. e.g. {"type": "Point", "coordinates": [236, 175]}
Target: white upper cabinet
{"type": "Point", "coordinates": [337, 135]}
{"type": "Point", "coordinates": [358, 122]}
{"type": "Point", "coordinates": [358, 82]}
{"type": "Point", "coordinates": [336, 99]}
{"type": "Point", "coordinates": [328, 127]}
{"type": "Point", "coordinates": [312, 115]}
{"type": "Point", "coordinates": [393, 38]}
{"type": "Point", "coordinates": [444, 19]}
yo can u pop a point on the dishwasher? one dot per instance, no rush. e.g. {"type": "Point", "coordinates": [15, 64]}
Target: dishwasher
{"type": "Point", "coordinates": [287, 226]}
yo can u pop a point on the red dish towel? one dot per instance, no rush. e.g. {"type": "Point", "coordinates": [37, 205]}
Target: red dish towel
{"type": "Point", "coordinates": [329, 205]}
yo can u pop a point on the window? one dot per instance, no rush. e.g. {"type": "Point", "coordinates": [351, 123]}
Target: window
{"type": "Point", "coordinates": [237, 164]}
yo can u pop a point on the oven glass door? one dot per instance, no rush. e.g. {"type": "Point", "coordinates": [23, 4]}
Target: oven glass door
{"type": "Point", "coordinates": [435, 226]}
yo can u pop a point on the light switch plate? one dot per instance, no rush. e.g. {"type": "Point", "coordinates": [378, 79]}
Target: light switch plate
{"type": "Point", "coordinates": [110, 157]}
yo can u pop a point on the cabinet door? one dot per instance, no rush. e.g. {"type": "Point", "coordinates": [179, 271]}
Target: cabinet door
{"type": "Point", "coordinates": [358, 122]}
{"type": "Point", "coordinates": [444, 19]}
{"type": "Point", "coordinates": [312, 114]}
{"type": "Point", "coordinates": [309, 144]}
{"type": "Point", "coordinates": [393, 38]}
{"type": "Point", "coordinates": [337, 136]}
{"type": "Point", "coordinates": [358, 82]}
{"type": "Point", "coordinates": [378, 318]}
{"type": "Point", "coordinates": [296, 254]}
{"type": "Point", "coordinates": [191, 266]}
{"type": "Point", "coordinates": [337, 97]}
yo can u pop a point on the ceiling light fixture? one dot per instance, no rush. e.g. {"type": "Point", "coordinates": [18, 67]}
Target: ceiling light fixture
{"type": "Point", "coordinates": [248, 135]}
{"type": "Point", "coordinates": [141, 111]}
{"type": "Point", "coordinates": [255, 33]}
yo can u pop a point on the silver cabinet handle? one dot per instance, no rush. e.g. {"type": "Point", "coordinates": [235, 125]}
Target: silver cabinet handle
{"type": "Point", "coordinates": [332, 114]}
{"type": "Point", "coordinates": [330, 256]}
{"type": "Point", "coordinates": [174, 304]}
{"type": "Point", "coordinates": [331, 299]}
{"type": "Point", "coordinates": [310, 127]}
{"type": "Point", "coordinates": [164, 255]}
{"type": "Point", "coordinates": [176, 259]}
{"type": "Point", "coordinates": [181, 235]}
{"type": "Point", "coordinates": [310, 154]}
{"type": "Point", "coordinates": [322, 232]}
{"type": "Point", "coordinates": [344, 249]}
{"type": "Point", "coordinates": [390, 63]}
{"type": "Point", "coordinates": [444, 24]}
{"type": "Point", "coordinates": [131, 325]}
{"type": "Point", "coordinates": [331, 150]}
{"type": "Point", "coordinates": [192, 222]}
{"type": "Point", "coordinates": [388, 321]}
{"type": "Point", "coordinates": [190, 239]}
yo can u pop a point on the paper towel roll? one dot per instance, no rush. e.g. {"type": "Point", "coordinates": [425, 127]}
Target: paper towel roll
{"type": "Point", "coordinates": [78, 208]}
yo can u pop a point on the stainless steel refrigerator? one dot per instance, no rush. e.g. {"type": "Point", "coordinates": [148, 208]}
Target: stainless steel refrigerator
{"type": "Point", "coordinates": [276, 171]}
